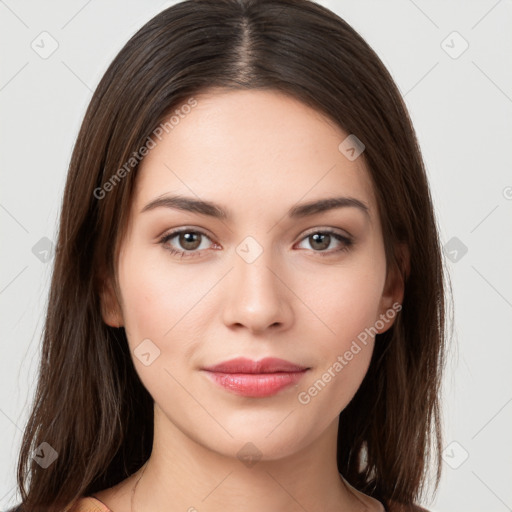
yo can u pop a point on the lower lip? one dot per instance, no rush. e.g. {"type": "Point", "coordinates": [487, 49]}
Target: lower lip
{"type": "Point", "coordinates": [257, 385]}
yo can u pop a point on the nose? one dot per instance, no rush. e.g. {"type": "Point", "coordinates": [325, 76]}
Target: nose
{"type": "Point", "coordinates": [257, 295]}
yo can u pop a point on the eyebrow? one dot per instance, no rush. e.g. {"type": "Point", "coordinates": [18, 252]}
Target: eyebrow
{"type": "Point", "coordinates": [212, 209]}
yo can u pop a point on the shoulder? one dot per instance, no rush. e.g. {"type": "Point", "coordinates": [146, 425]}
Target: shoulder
{"type": "Point", "coordinates": [89, 504]}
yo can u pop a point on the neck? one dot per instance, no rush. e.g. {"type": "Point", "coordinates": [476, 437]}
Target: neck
{"type": "Point", "coordinates": [182, 474]}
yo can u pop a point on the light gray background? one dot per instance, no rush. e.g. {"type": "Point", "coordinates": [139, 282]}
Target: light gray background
{"type": "Point", "coordinates": [461, 108]}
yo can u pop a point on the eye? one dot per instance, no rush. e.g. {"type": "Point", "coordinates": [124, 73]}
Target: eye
{"type": "Point", "coordinates": [189, 239]}
{"type": "Point", "coordinates": [322, 239]}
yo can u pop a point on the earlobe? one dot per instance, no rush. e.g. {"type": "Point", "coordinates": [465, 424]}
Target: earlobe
{"type": "Point", "coordinates": [110, 309]}
{"type": "Point", "coordinates": [393, 293]}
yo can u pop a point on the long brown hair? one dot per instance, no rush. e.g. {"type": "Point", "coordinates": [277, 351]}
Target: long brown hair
{"type": "Point", "coordinates": [90, 406]}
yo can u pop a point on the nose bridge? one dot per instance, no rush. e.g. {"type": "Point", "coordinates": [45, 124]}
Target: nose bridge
{"type": "Point", "coordinates": [253, 262]}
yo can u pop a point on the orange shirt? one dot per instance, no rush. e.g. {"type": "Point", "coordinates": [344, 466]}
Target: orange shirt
{"type": "Point", "coordinates": [89, 504]}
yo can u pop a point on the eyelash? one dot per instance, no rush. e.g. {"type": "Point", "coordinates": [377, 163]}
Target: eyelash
{"type": "Point", "coordinates": [348, 242]}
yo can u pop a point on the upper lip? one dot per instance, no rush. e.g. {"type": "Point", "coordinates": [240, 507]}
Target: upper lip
{"type": "Point", "coordinates": [266, 365]}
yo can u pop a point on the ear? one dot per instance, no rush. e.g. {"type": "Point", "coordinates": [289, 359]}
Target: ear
{"type": "Point", "coordinates": [110, 309]}
{"type": "Point", "coordinates": [394, 288]}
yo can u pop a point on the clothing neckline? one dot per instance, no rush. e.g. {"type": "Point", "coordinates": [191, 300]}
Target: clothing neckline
{"type": "Point", "coordinates": [354, 491]}
{"type": "Point", "coordinates": [104, 507]}
{"type": "Point", "coordinates": [351, 488]}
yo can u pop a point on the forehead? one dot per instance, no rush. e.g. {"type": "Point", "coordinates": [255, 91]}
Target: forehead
{"type": "Point", "coordinates": [252, 148]}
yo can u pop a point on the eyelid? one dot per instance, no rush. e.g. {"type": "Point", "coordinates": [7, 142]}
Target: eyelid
{"type": "Point", "coordinates": [204, 232]}
{"type": "Point", "coordinates": [185, 229]}
{"type": "Point", "coordinates": [329, 229]}
{"type": "Point", "coordinates": [346, 239]}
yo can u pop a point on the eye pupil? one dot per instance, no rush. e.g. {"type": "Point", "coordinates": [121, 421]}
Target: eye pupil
{"type": "Point", "coordinates": [321, 238]}
{"type": "Point", "coordinates": [187, 240]}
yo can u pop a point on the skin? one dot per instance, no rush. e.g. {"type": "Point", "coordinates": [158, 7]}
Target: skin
{"type": "Point", "coordinates": [257, 154]}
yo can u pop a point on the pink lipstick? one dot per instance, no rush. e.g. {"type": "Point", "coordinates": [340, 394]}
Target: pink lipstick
{"type": "Point", "coordinates": [255, 379]}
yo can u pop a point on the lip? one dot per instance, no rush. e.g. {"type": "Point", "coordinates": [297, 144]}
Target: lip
{"type": "Point", "coordinates": [265, 365]}
{"type": "Point", "coordinates": [255, 379]}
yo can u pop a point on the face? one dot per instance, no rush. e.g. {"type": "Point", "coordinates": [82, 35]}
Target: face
{"type": "Point", "coordinates": [264, 279]}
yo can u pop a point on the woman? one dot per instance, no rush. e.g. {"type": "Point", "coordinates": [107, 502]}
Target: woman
{"type": "Point", "coordinates": [247, 306]}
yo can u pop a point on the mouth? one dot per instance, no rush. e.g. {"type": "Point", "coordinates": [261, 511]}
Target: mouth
{"type": "Point", "coordinates": [257, 379]}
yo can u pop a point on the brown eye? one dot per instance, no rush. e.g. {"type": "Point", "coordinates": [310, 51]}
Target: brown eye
{"type": "Point", "coordinates": [320, 241]}
{"type": "Point", "coordinates": [189, 240]}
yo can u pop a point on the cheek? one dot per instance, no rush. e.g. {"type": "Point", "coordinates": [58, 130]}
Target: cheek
{"type": "Point", "coordinates": [342, 301]}
{"type": "Point", "coordinates": [155, 300]}
{"type": "Point", "coordinates": [345, 302]}
{"type": "Point", "coordinates": [342, 353]}
{"type": "Point", "coordinates": [159, 306]}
